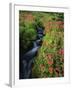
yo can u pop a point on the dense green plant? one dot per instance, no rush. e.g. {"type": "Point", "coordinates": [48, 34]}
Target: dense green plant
{"type": "Point", "coordinates": [27, 35]}
{"type": "Point", "coordinates": [38, 23]}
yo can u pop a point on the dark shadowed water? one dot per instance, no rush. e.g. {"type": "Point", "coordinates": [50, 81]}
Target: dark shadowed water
{"type": "Point", "coordinates": [28, 58]}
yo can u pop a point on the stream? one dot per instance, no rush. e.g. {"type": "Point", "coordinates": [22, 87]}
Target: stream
{"type": "Point", "coordinates": [28, 58]}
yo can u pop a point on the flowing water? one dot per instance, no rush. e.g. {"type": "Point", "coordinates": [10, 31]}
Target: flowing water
{"type": "Point", "coordinates": [28, 58]}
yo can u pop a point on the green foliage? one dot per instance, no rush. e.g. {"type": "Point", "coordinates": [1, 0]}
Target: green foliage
{"type": "Point", "coordinates": [50, 58]}
{"type": "Point", "coordinates": [27, 35]}
{"type": "Point", "coordinates": [38, 23]}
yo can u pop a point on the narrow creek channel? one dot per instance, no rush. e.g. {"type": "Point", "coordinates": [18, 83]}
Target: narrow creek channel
{"type": "Point", "coordinates": [27, 59]}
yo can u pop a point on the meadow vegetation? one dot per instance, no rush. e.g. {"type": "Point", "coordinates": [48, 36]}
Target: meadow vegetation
{"type": "Point", "coordinates": [49, 61]}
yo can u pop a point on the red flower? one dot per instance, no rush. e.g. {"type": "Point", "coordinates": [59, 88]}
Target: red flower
{"type": "Point", "coordinates": [50, 62]}
{"type": "Point", "coordinates": [50, 70]}
{"type": "Point", "coordinates": [49, 56]}
{"type": "Point", "coordinates": [61, 51]}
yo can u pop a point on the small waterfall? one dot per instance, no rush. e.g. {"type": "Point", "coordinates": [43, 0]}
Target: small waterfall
{"type": "Point", "coordinates": [27, 59]}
